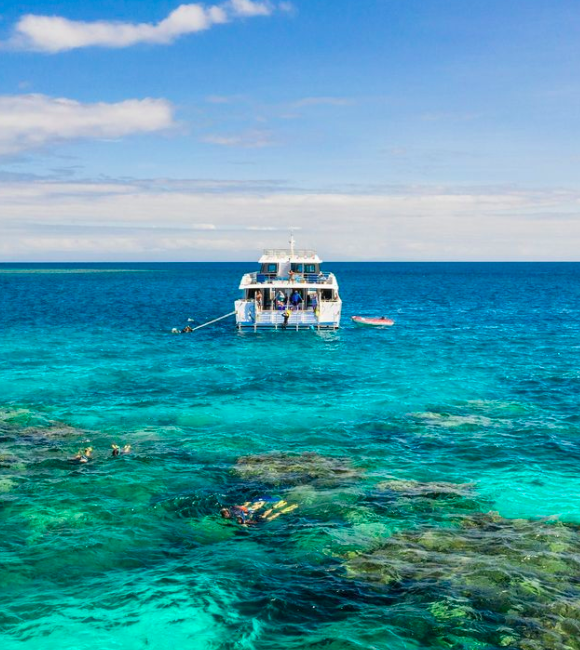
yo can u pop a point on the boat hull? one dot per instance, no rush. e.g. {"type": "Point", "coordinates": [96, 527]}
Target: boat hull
{"type": "Point", "coordinates": [249, 318]}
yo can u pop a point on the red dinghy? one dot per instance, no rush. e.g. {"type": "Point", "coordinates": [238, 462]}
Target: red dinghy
{"type": "Point", "coordinates": [372, 322]}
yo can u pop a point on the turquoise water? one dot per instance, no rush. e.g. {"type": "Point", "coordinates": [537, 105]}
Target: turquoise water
{"type": "Point", "coordinates": [396, 445]}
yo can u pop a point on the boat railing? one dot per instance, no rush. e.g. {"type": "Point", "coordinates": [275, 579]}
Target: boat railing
{"type": "Point", "coordinates": [297, 278]}
{"type": "Point", "coordinates": [287, 252]}
{"type": "Point", "coordinates": [281, 307]}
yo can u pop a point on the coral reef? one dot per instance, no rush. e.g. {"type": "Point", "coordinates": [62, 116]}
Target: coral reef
{"type": "Point", "coordinates": [505, 582]}
{"type": "Point", "coordinates": [432, 489]}
{"type": "Point", "coordinates": [287, 469]}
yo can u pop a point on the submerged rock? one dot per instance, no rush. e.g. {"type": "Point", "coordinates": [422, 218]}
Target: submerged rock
{"type": "Point", "coordinates": [431, 489]}
{"type": "Point", "coordinates": [7, 460]}
{"type": "Point", "coordinates": [424, 503]}
{"type": "Point", "coordinates": [13, 415]}
{"type": "Point", "coordinates": [6, 484]}
{"type": "Point", "coordinates": [287, 469]}
{"type": "Point", "coordinates": [499, 580]}
{"type": "Point", "coordinates": [453, 420]}
{"type": "Point", "coordinates": [52, 430]}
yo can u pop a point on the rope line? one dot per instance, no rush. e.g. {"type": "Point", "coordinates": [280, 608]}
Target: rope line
{"type": "Point", "coordinates": [215, 320]}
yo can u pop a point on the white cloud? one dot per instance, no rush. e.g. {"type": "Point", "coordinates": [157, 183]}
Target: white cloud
{"type": "Point", "coordinates": [53, 34]}
{"type": "Point", "coordinates": [149, 220]}
{"type": "Point", "coordinates": [247, 140]}
{"type": "Point", "coordinates": [31, 121]}
{"type": "Point", "coordinates": [249, 8]}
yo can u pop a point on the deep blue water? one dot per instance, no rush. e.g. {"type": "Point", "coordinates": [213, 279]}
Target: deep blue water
{"type": "Point", "coordinates": [392, 444]}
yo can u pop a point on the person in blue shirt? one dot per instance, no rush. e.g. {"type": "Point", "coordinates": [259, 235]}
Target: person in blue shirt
{"type": "Point", "coordinates": [295, 299]}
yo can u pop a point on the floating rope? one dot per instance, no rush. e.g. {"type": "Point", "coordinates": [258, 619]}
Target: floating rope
{"type": "Point", "coordinates": [215, 320]}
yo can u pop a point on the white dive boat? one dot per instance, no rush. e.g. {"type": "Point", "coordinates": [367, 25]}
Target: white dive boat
{"type": "Point", "coordinates": [290, 291]}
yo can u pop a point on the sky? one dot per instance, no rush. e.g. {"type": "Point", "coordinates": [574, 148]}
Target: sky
{"type": "Point", "coordinates": [395, 130]}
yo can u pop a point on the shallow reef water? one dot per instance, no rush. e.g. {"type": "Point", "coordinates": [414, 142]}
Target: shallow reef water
{"type": "Point", "coordinates": [430, 470]}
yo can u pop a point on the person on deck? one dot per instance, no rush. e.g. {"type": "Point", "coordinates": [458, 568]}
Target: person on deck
{"type": "Point", "coordinates": [280, 299]}
{"type": "Point", "coordinates": [295, 299]}
{"type": "Point", "coordinates": [259, 300]}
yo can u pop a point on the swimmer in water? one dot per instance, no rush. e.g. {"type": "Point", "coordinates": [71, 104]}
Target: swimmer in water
{"type": "Point", "coordinates": [117, 450]}
{"type": "Point", "coordinates": [187, 329]}
{"type": "Point", "coordinates": [83, 456]}
{"type": "Point", "coordinates": [241, 514]}
{"type": "Point", "coordinates": [247, 513]}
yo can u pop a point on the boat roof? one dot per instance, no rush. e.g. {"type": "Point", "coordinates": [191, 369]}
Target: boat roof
{"type": "Point", "coordinates": [289, 255]}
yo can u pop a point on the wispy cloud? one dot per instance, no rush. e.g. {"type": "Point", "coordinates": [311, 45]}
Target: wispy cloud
{"type": "Point", "coordinates": [246, 140]}
{"type": "Point", "coordinates": [32, 121]}
{"type": "Point", "coordinates": [222, 99]}
{"type": "Point", "coordinates": [52, 34]}
{"type": "Point", "coordinates": [148, 220]}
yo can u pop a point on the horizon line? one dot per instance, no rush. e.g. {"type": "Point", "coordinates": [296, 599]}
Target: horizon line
{"type": "Point", "coordinates": [326, 262]}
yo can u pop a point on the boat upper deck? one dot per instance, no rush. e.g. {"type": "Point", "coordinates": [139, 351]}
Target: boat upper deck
{"type": "Point", "coordinates": [283, 268]}
{"type": "Point", "coordinates": [257, 279]}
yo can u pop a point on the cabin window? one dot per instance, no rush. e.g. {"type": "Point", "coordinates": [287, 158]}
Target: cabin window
{"type": "Point", "coordinates": [270, 268]}
{"type": "Point", "coordinates": [310, 268]}
{"type": "Point", "coordinates": [297, 268]}
{"type": "Point", "coordinates": [326, 294]}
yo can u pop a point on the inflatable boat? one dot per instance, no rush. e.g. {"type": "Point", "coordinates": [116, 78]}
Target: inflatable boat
{"type": "Point", "coordinates": [372, 322]}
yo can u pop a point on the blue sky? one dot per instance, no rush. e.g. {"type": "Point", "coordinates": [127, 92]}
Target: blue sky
{"type": "Point", "coordinates": [382, 129]}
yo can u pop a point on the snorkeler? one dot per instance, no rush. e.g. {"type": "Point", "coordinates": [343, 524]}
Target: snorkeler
{"type": "Point", "coordinates": [247, 513]}
{"type": "Point", "coordinates": [187, 329]}
{"type": "Point", "coordinates": [241, 514]}
{"type": "Point", "coordinates": [82, 455]}
{"type": "Point", "coordinates": [117, 450]}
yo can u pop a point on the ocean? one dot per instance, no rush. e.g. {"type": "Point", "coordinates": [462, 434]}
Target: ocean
{"type": "Point", "coordinates": [433, 464]}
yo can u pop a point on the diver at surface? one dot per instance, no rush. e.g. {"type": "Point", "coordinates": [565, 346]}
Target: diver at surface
{"type": "Point", "coordinates": [247, 513]}
{"type": "Point", "coordinates": [117, 450]}
{"type": "Point", "coordinates": [82, 455]}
